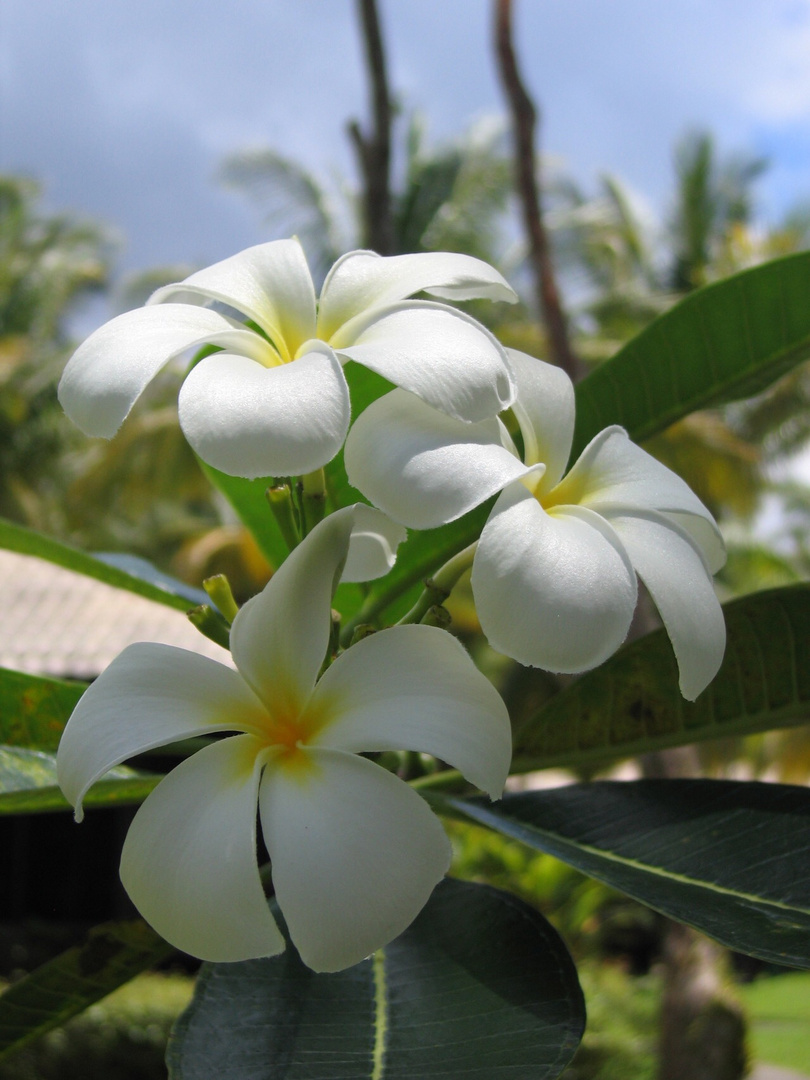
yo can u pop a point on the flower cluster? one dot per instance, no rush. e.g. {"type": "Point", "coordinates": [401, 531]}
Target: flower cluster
{"type": "Point", "coordinates": [354, 851]}
{"type": "Point", "coordinates": [272, 400]}
{"type": "Point", "coordinates": [554, 573]}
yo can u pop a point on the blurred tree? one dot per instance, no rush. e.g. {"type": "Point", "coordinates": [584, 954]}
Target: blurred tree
{"type": "Point", "coordinates": [453, 197]}
{"type": "Point", "coordinates": [49, 264]}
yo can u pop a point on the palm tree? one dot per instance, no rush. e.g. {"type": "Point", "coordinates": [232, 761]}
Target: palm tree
{"type": "Point", "coordinates": [452, 198]}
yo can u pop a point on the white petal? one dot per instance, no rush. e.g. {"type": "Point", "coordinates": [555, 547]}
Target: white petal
{"type": "Point", "coordinates": [189, 859]}
{"type": "Point", "coordinates": [373, 545]}
{"type": "Point", "coordinates": [249, 420]}
{"type": "Point", "coordinates": [672, 567]}
{"type": "Point", "coordinates": [425, 468]}
{"type": "Point", "coordinates": [544, 407]}
{"type": "Point", "coordinates": [279, 638]}
{"type": "Point", "coordinates": [440, 354]}
{"type": "Point", "coordinates": [613, 474]}
{"type": "Point", "coordinates": [270, 283]}
{"type": "Point", "coordinates": [109, 370]}
{"type": "Point", "coordinates": [362, 279]}
{"type": "Point", "coordinates": [555, 591]}
{"type": "Point", "coordinates": [415, 688]}
{"type": "Point", "coordinates": [355, 853]}
{"type": "Point", "coordinates": [148, 696]}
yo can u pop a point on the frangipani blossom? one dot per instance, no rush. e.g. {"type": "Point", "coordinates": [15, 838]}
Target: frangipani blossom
{"type": "Point", "coordinates": [554, 573]}
{"type": "Point", "coordinates": [355, 852]}
{"type": "Point", "coordinates": [274, 400]}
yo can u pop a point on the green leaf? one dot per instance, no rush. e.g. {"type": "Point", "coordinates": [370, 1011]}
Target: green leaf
{"type": "Point", "coordinates": [632, 704]}
{"type": "Point", "coordinates": [35, 709]}
{"type": "Point", "coordinates": [111, 955]}
{"type": "Point", "coordinates": [248, 499]}
{"type": "Point", "coordinates": [18, 538]}
{"type": "Point", "coordinates": [726, 857]}
{"type": "Point", "coordinates": [28, 784]}
{"type": "Point", "coordinates": [479, 987]}
{"type": "Point", "coordinates": [723, 342]}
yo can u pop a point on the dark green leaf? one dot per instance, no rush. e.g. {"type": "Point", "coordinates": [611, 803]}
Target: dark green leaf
{"type": "Point", "coordinates": [479, 987]}
{"type": "Point", "coordinates": [111, 955]}
{"type": "Point", "coordinates": [632, 703]}
{"type": "Point", "coordinates": [730, 858]}
{"type": "Point", "coordinates": [726, 341]}
{"type": "Point", "coordinates": [35, 709]}
{"type": "Point", "coordinates": [15, 537]}
{"type": "Point", "coordinates": [28, 784]}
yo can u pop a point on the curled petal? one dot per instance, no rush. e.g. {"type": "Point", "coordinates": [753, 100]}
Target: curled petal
{"type": "Point", "coordinates": [109, 371]}
{"type": "Point", "coordinates": [555, 591]}
{"type": "Point", "coordinates": [672, 567]}
{"type": "Point", "coordinates": [544, 408]}
{"type": "Point", "coordinates": [270, 283]}
{"type": "Point", "coordinates": [425, 468]}
{"type": "Point", "coordinates": [362, 279]}
{"type": "Point", "coordinates": [441, 355]}
{"type": "Point", "coordinates": [279, 638]}
{"type": "Point", "coordinates": [373, 545]}
{"type": "Point", "coordinates": [355, 854]}
{"type": "Point", "coordinates": [150, 695]}
{"type": "Point", "coordinates": [249, 420]}
{"type": "Point", "coordinates": [415, 688]}
{"type": "Point", "coordinates": [613, 475]}
{"type": "Point", "coordinates": [189, 859]}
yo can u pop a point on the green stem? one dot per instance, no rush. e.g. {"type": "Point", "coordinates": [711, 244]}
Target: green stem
{"type": "Point", "coordinates": [211, 623]}
{"type": "Point", "coordinates": [313, 499]}
{"type": "Point", "coordinates": [447, 779]}
{"type": "Point", "coordinates": [281, 503]}
{"type": "Point", "coordinates": [219, 589]}
{"type": "Point", "coordinates": [439, 587]}
{"type": "Point", "coordinates": [380, 600]}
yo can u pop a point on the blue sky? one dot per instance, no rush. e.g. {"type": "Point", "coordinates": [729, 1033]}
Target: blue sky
{"type": "Point", "coordinates": [123, 110]}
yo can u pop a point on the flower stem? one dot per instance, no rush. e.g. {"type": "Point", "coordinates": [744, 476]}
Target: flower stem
{"type": "Point", "coordinates": [446, 577]}
{"type": "Point", "coordinates": [312, 489]}
{"type": "Point", "coordinates": [219, 589]}
{"type": "Point", "coordinates": [281, 503]}
{"type": "Point", "coordinates": [439, 587]}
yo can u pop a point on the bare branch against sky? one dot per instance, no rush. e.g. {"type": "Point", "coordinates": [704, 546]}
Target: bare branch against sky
{"type": "Point", "coordinates": [524, 120]}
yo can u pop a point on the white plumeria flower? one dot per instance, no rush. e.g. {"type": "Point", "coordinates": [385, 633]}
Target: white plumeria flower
{"type": "Point", "coordinates": [355, 852]}
{"type": "Point", "coordinates": [554, 573]}
{"type": "Point", "coordinates": [274, 401]}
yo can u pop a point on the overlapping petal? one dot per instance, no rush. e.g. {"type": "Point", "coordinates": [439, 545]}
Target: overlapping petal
{"type": "Point", "coordinates": [674, 570]}
{"type": "Point", "coordinates": [440, 354]}
{"type": "Point", "coordinates": [544, 408]}
{"type": "Point", "coordinates": [414, 688]}
{"type": "Point", "coordinates": [555, 591]}
{"type": "Point", "coordinates": [613, 475]}
{"type": "Point", "coordinates": [249, 420]}
{"type": "Point", "coordinates": [270, 283]}
{"type": "Point", "coordinates": [362, 279]}
{"type": "Point", "coordinates": [189, 859]}
{"type": "Point", "coordinates": [425, 468]}
{"type": "Point", "coordinates": [109, 371]}
{"type": "Point", "coordinates": [372, 545]}
{"type": "Point", "coordinates": [355, 854]}
{"type": "Point", "coordinates": [279, 638]}
{"type": "Point", "coordinates": [150, 695]}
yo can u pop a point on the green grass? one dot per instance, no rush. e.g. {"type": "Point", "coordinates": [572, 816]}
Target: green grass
{"type": "Point", "coordinates": [778, 1008]}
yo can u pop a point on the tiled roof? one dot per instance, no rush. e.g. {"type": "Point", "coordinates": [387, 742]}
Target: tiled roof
{"type": "Point", "coordinates": [55, 622]}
